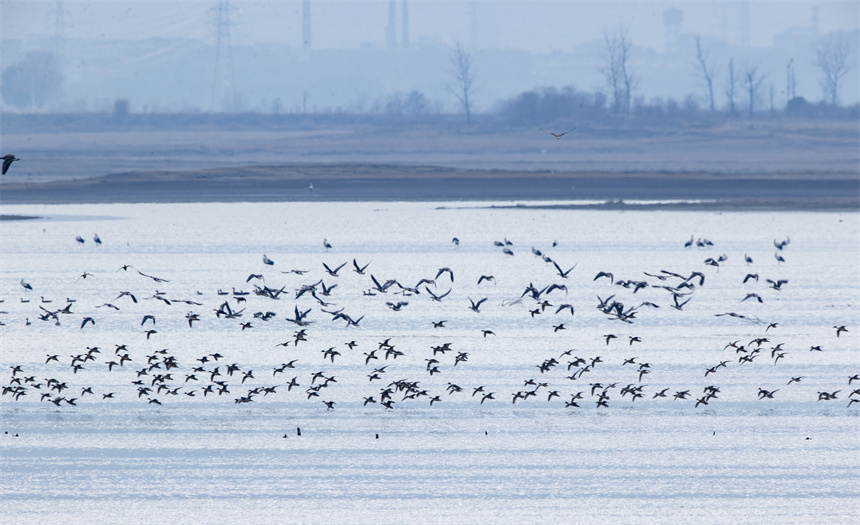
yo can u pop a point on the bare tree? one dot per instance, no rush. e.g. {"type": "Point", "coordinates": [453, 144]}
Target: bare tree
{"type": "Point", "coordinates": [463, 74]}
{"type": "Point", "coordinates": [610, 71]}
{"type": "Point", "coordinates": [627, 77]}
{"type": "Point", "coordinates": [752, 81]}
{"type": "Point", "coordinates": [831, 57]}
{"type": "Point", "coordinates": [616, 69]}
{"type": "Point", "coordinates": [707, 70]}
{"type": "Point", "coordinates": [731, 86]}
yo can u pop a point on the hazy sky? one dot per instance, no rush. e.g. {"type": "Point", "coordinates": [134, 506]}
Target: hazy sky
{"type": "Point", "coordinates": [541, 26]}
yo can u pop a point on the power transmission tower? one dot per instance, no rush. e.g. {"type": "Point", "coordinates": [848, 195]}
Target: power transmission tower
{"type": "Point", "coordinates": [59, 45]}
{"type": "Point", "coordinates": [743, 24]}
{"type": "Point", "coordinates": [306, 24]}
{"type": "Point", "coordinates": [404, 15]}
{"type": "Point", "coordinates": [223, 94]}
{"type": "Point", "coordinates": [473, 31]}
{"type": "Point", "coordinates": [59, 28]}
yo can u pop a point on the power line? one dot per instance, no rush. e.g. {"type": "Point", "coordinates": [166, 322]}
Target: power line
{"type": "Point", "coordinates": [223, 93]}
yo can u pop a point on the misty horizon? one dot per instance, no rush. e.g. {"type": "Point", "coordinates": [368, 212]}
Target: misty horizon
{"type": "Point", "coordinates": [167, 58]}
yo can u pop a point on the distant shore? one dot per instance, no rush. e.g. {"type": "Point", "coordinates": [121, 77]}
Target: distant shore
{"type": "Point", "coordinates": [391, 182]}
{"type": "Point", "coordinates": [4, 217]}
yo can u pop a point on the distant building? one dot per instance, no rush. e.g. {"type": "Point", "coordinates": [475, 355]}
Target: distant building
{"type": "Point", "coordinates": [672, 19]}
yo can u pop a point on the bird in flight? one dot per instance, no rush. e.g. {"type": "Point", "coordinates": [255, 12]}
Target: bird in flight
{"type": "Point", "coordinates": [475, 306]}
{"type": "Point", "coordinates": [7, 161]}
{"type": "Point", "coordinates": [558, 136]}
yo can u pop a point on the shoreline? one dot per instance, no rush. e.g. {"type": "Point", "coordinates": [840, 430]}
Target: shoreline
{"type": "Point", "coordinates": [14, 217]}
{"type": "Point", "coordinates": [351, 182]}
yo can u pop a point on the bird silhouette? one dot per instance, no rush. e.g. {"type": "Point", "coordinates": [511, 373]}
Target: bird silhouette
{"type": "Point", "coordinates": [7, 161]}
{"type": "Point", "coordinates": [359, 269]}
{"type": "Point", "coordinates": [331, 272]}
{"type": "Point", "coordinates": [476, 306]}
{"type": "Point", "coordinates": [558, 136]}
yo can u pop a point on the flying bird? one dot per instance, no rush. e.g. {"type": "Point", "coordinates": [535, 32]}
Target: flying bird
{"type": "Point", "coordinates": [561, 272]}
{"type": "Point", "coordinates": [156, 279]}
{"type": "Point", "coordinates": [331, 272]}
{"type": "Point", "coordinates": [434, 296]}
{"type": "Point", "coordinates": [755, 296]}
{"type": "Point", "coordinates": [558, 136]}
{"type": "Point", "coordinates": [605, 274]}
{"type": "Point", "coordinates": [7, 161]}
{"type": "Point", "coordinates": [445, 270]}
{"type": "Point", "coordinates": [476, 306]}
{"type": "Point", "coordinates": [359, 269]}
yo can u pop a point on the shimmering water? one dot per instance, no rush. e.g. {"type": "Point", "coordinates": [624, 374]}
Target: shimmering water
{"type": "Point", "coordinates": [738, 458]}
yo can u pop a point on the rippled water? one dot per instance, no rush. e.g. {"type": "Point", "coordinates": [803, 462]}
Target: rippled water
{"type": "Point", "coordinates": [737, 458]}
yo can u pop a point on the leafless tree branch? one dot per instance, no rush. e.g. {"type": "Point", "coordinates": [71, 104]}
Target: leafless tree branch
{"type": "Point", "coordinates": [831, 57]}
{"type": "Point", "coordinates": [707, 70]}
{"type": "Point", "coordinates": [463, 75]}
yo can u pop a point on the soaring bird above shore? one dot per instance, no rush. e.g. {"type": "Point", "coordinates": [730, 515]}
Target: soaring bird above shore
{"type": "Point", "coordinates": [7, 161]}
{"type": "Point", "coordinates": [558, 136]}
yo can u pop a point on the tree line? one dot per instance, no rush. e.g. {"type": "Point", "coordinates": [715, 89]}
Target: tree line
{"type": "Point", "coordinates": [743, 87]}
{"type": "Point", "coordinates": [732, 89]}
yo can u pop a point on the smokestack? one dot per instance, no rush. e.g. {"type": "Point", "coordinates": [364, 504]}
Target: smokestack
{"type": "Point", "coordinates": [390, 29]}
{"type": "Point", "coordinates": [474, 30]}
{"type": "Point", "coordinates": [405, 23]}
{"type": "Point", "coordinates": [306, 24]}
{"type": "Point", "coordinates": [743, 29]}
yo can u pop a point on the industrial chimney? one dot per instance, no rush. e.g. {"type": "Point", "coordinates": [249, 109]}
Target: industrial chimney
{"type": "Point", "coordinates": [405, 23]}
{"type": "Point", "coordinates": [306, 24]}
{"type": "Point", "coordinates": [391, 28]}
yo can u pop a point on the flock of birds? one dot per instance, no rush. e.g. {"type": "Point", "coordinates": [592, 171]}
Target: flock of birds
{"type": "Point", "coordinates": [384, 371]}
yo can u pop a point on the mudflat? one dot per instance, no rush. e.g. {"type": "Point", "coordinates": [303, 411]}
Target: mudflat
{"type": "Point", "coordinates": [767, 164]}
{"type": "Point", "coordinates": [392, 182]}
